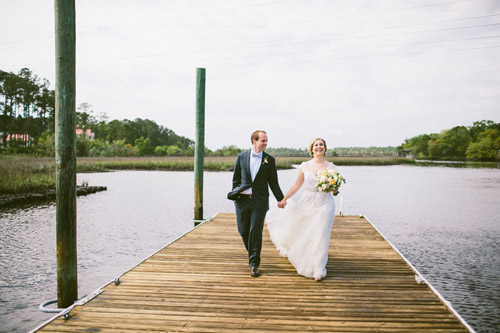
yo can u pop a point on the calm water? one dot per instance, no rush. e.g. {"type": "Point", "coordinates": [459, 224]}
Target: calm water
{"type": "Point", "coordinates": [446, 221]}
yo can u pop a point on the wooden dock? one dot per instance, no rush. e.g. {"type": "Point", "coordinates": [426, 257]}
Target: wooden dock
{"type": "Point", "coordinates": [201, 283]}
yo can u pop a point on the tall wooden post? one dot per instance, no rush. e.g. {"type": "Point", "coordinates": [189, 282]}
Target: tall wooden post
{"type": "Point", "coordinates": [199, 150]}
{"type": "Point", "coordinates": [67, 280]}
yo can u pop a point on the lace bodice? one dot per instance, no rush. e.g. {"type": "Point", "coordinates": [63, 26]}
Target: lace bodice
{"type": "Point", "coordinates": [310, 176]}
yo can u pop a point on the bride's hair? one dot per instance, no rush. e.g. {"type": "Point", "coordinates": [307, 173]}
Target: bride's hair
{"type": "Point", "coordinates": [312, 144]}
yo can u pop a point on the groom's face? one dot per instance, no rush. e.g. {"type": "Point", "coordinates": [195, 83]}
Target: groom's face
{"type": "Point", "coordinates": [261, 144]}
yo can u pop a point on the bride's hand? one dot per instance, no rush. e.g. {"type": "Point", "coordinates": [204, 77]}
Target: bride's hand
{"type": "Point", "coordinates": [282, 203]}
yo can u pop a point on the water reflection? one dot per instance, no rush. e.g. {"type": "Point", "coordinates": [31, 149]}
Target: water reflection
{"type": "Point", "coordinates": [444, 220]}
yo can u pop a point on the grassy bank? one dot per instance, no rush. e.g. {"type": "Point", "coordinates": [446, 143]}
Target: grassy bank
{"type": "Point", "coordinates": [214, 163]}
{"type": "Point", "coordinates": [26, 174]}
{"type": "Point", "coordinates": [20, 174]}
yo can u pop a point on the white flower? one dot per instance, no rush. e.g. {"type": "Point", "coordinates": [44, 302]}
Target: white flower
{"type": "Point", "coordinates": [329, 181]}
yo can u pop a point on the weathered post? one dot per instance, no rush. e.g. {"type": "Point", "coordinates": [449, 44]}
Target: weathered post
{"type": "Point", "coordinates": [67, 280]}
{"type": "Point", "coordinates": [199, 150]}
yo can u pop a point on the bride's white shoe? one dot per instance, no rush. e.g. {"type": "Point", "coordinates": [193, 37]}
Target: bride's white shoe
{"type": "Point", "coordinates": [318, 278]}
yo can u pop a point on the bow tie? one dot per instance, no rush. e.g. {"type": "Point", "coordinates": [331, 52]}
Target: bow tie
{"type": "Point", "coordinates": [256, 155]}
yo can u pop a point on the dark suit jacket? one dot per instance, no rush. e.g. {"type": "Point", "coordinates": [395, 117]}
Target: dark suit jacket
{"type": "Point", "coordinates": [267, 176]}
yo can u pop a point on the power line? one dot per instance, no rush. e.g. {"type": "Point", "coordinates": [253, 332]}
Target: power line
{"type": "Point", "coordinates": [217, 61]}
{"type": "Point", "coordinates": [363, 36]}
{"type": "Point", "coordinates": [346, 37]}
{"type": "Point", "coordinates": [330, 59]}
{"type": "Point", "coordinates": [85, 33]}
{"type": "Point", "coordinates": [327, 40]}
{"type": "Point", "coordinates": [303, 52]}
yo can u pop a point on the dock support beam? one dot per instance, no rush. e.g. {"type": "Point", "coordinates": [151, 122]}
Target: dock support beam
{"type": "Point", "coordinates": [67, 280]}
{"type": "Point", "coordinates": [199, 151]}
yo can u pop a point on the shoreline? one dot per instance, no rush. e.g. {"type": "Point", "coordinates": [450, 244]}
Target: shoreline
{"type": "Point", "coordinates": [48, 195]}
{"type": "Point", "coordinates": [222, 163]}
{"type": "Point", "coordinates": [30, 180]}
{"type": "Point", "coordinates": [27, 180]}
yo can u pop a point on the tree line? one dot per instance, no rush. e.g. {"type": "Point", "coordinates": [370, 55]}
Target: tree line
{"type": "Point", "coordinates": [138, 137]}
{"type": "Point", "coordinates": [27, 110]}
{"type": "Point", "coordinates": [336, 152]}
{"type": "Point", "coordinates": [27, 105]}
{"type": "Point", "coordinates": [27, 122]}
{"type": "Point", "coordinates": [481, 141]}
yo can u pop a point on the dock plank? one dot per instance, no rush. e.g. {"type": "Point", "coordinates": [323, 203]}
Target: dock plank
{"type": "Point", "coordinates": [201, 283]}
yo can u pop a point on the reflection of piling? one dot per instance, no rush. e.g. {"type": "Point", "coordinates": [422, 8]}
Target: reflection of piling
{"type": "Point", "coordinates": [199, 151]}
{"type": "Point", "coordinates": [67, 282]}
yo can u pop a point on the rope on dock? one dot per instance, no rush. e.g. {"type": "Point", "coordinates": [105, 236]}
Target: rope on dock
{"type": "Point", "coordinates": [64, 312]}
{"type": "Point", "coordinates": [43, 307]}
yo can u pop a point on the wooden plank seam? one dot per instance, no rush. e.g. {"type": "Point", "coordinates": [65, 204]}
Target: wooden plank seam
{"type": "Point", "coordinates": [421, 279]}
{"type": "Point", "coordinates": [65, 313]}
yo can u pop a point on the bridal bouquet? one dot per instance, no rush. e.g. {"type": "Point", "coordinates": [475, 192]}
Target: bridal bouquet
{"type": "Point", "coordinates": [329, 181]}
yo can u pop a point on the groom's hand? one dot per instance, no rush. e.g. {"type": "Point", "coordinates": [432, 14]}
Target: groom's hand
{"type": "Point", "coordinates": [282, 204]}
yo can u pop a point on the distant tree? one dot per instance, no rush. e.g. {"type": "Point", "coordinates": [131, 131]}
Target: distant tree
{"type": "Point", "coordinates": [458, 139]}
{"type": "Point", "coordinates": [144, 146]}
{"type": "Point", "coordinates": [46, 107]}
{"type": "Point", "coordinates": [419, 145]}
{"type": "Point", "coordinates": [174, 150]}
{"type": "Point", "coordinates": [85, 116]}
{"type": "Point", "coordinates": [45, 145]}
{"type": "Point", "coordinates": [161, 151]}
{"type": "Point", "coordinates": [227, 151]}
{"type": "Point", "coordinates": [487, 146]}
{"type": "Point", "coordinates": [481, 126]}
{"type": "Point", "coordinates": [27, 106]}
{"type": "Point", "coordinates": [438, 148]}
{"type": "Point", "coordinates": [360, 151]}
{"type": "Point", "coordinates": [478, 141]}
{"type": "Point", "coordinates": [120, 148]}
{"type": "Point", "coordinates": [287, 152]}
{"type": "Point", "coordinates": [82, 148]}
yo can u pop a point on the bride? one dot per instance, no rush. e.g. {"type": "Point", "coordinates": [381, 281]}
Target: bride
{"type": "Point", "coordinates": [301, 232]}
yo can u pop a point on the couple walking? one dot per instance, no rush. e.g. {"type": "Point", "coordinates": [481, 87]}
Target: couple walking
{"type": "Point", "coordinates": [301, 231]}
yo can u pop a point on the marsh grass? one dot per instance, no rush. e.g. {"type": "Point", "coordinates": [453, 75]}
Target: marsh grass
{"type": "Point", "coordinates": [26, 174]}
{"type": "Point", "coordinates": [20, 174]}
{"type": "Point", "coordinates": [371, 160]}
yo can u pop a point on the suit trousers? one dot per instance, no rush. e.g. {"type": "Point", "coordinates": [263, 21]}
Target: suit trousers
{"type": "Point", "coordinates": [250, 219]}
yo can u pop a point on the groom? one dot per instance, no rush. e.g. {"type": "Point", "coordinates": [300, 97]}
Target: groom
{"type": "Point", "coordinates": [253, 172]}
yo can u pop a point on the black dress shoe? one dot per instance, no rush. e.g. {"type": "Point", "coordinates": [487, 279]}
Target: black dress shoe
{"type": "Point", "coordinates": [254, 271]}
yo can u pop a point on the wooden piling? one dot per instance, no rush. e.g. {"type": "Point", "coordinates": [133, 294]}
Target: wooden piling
{"type": "Point", "coordinates": [67, 281]}
{"type": "Point", "coordinates": [199, 145]}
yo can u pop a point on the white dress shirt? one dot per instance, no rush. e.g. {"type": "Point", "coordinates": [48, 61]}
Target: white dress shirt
{"type": "Point", "coordinates": [255, 162]}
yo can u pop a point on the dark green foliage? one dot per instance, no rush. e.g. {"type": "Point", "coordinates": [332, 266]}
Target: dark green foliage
{"type": "Point", "coordinates": [335, 152]}
{"type": "Point", "coordinates": [226, 151]}
{"type": "Point", "coordinates": [287, 152]}
{"type": "Point", "coordinates": [27, 108]}
{"type": "Point", "coordinates": [362, 151]}
{"type": "Point", "coordinates": [481, 141]}
{"type": "Point", "coordinates": [486, 147]}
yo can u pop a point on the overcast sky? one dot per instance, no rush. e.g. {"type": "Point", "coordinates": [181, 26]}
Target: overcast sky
{"type": "Point", "coordinates": [357, 73]}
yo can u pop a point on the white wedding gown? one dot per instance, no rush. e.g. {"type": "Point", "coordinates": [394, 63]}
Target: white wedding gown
{"type": "Point", "coordinates": [301, 231]}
